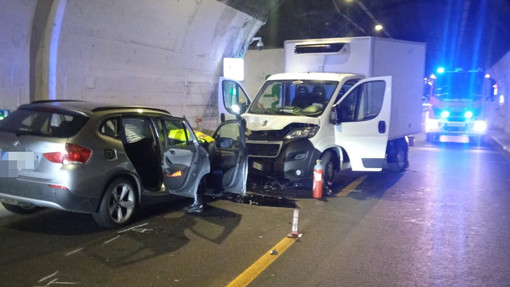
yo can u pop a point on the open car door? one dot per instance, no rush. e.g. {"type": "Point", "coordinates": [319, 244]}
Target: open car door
{"type": "Point", "coordinates": [184, 160]}
{"type": "Point", "coordinates": [229, 160]}
{"type": "Point", "coordinates": [232, 99]}
{"type": "Point", "coordinates": [362, 121]}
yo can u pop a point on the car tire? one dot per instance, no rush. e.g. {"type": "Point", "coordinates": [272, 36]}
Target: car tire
{"type": "Point", "coordinates": [328, 170]}
{"type": "Point", "coordinates": [25, 209]}
{"type": "Point", "coordinates": [118, 204]}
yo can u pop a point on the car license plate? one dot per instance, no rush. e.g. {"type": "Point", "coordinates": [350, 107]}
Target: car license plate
{"type": "Point", "coordinates": [257, 165]}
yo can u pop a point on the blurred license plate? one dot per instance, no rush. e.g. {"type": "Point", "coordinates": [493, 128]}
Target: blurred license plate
{"type": "Point", "coordinates": [20, 159]}
{"type": "Point", "coordinates": [257, 165]}
{"type": "Point", "coordinates": [12, 162]}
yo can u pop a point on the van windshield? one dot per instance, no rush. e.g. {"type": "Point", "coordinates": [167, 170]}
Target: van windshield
{"type": "Point", "coordinates": [293, 97]}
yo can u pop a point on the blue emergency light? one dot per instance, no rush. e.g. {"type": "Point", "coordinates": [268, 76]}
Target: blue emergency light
{"type": "Point", "coordinates": [4, 114]}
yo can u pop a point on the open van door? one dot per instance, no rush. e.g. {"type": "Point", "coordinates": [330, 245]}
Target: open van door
{"type": "Point", "coordinates": [232, 99]}
{"type": "Point", "coordinates": [229, 159]}
{"type": "Point", "coordinates": [362, 121]}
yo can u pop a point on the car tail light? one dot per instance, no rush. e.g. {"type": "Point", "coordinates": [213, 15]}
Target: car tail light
{"type": "Point", "coordinates": [55, 157]}
{"type": "Point", "coordinates": [59, 186]}
{"type": "Point", "coordinates": [74, 154]}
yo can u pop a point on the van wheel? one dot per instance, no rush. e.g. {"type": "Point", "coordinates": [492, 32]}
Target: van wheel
{"type": "Point", "coordinates": [328, 169]}
{"type": "Point", "coordinates": [398, 155]}
{"type": "Point", "coordinates": [118, 204]}
{"type": "Point", "coordinates": [21, 209]}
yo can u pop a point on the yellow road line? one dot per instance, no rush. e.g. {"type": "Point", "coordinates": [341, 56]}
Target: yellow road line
{"type": "Point", "coordinates": [348, 189]}
{"type": "Point", "coordinates": [262, 263]}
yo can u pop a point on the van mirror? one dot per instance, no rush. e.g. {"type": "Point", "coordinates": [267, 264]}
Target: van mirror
{"type": "Point", "coordinates": [333, 116]}
{"type": "Point", "coordinates": [235, 99]}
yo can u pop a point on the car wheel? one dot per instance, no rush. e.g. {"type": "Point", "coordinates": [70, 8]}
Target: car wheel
{"type": "Point", "coordinates": [118, 204]}
{"type": "Point", "coordinates": [21, 209]}
{"type": "Point", "coordinates": [328, 169]}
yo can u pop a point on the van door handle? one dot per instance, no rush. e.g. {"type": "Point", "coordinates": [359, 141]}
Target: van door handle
{"type": "Point", "coordinates": [382, 127]}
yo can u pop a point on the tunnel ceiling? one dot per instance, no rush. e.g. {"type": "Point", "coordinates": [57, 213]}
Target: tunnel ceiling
{"type": "Point", "coordinates": [458, 33]}
{"type": "Point", "coordinates": [259, 9]}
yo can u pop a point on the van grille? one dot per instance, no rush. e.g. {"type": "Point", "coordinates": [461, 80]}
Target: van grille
{"type": "Point", "coordinates": [263, 149]}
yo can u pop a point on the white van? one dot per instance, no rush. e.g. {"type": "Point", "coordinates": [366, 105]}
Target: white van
{"type": "Point", "coordinates": [350, 102]}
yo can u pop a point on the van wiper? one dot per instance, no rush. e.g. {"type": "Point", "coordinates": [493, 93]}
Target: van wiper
{"type": "Point", "coordinates": [289, 110]}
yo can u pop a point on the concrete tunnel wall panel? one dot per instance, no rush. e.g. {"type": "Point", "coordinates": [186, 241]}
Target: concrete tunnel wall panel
{"type": "Point", "coordinates": [166, 54]}
{"type": "Point", "coordinates": [159, 53]}
{"type": "Point", "coordinates": [14, 46]}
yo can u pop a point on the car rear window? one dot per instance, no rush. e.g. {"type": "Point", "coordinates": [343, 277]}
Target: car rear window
{"type": "Point", "coordinates": [51, 123]}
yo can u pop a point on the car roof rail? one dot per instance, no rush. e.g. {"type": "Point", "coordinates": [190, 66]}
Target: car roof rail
{"type": "Point", "coordinates": [115, 107]}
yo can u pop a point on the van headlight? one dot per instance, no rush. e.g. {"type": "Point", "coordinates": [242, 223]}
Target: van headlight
{"type": "Point", "coordinates": [299, 133]}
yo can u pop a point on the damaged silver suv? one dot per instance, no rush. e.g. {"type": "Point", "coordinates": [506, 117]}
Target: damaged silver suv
{"type": "Point", "coordinates": [107, 160]}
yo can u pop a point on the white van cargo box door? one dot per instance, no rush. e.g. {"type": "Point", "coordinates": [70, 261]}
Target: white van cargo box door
{"type": "Point", "coordinates": [232, 99]}
{"type": "Point", "coordinates": [362, 123]}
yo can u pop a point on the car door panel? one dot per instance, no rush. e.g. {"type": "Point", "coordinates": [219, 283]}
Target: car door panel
{"type": "Point", "coordinates": [229, 161]}
{"type": "Point", "coordinates": [184, 161]}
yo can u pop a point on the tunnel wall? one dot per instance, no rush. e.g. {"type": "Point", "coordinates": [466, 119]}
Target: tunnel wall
{"type": "Point", "coordinates": [166, 54]}
{"type": "Point", "coordinates": [15, 23]}
{"type": "Point", "coordinates": [501, 73]}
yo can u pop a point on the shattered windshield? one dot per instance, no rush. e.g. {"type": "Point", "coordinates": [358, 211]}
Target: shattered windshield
{"type": "Point", "coordinates": [291, 97]}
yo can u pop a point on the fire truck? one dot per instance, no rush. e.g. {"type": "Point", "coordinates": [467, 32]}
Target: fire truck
{"type": "Point", "coordinates": [458, 105]}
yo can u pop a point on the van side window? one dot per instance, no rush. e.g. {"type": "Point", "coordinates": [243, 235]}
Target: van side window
{"type": "Point", "coordinates": [363, 103]}
{"type": "Point", "coordinates": [346, 87]}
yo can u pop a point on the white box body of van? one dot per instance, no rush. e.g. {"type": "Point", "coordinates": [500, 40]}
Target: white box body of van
{"type": "Point", "coordinates": [404, 61]}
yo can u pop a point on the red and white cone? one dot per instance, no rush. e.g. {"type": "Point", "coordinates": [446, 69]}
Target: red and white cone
{"type": "Point", "coordinates": [295, 223]}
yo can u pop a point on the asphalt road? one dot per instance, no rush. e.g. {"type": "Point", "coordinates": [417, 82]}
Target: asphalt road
{"type": "Point", "coordinates": [444, 222]}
